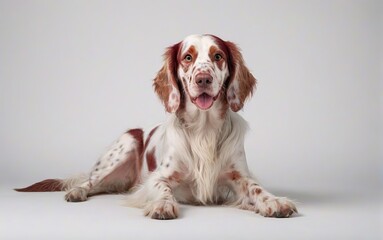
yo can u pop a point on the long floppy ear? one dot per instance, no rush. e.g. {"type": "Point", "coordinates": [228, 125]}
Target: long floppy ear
{"type": "Point", "coordinates": [165, 83]}
{"type": "Point", "coordinates": [241, 81]}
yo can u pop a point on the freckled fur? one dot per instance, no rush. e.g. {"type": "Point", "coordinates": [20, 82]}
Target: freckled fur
{"type": "Point", "coordinates": [199, 152]}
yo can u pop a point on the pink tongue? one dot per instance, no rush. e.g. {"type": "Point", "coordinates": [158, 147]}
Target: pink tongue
{"type": "Point", "coordinates": [204, 101]}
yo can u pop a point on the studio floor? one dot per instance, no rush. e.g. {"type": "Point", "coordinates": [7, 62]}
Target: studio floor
{"type": "Point", "coordinates": [321, 216]}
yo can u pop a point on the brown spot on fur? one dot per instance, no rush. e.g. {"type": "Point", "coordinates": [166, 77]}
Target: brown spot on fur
{"type": "Point", "coordinates": [48, 185]}
{"type": "Point", "coordinates": [234, 175]}
{"type": "Point", "coordinates": [176, 176]}
{"type": "Point", "coordinates": [186, 64]}
{"type": "Point", "coordinates": [265, 199]}
{"type": "Point", "coordinates": [215, 50]}
{"type": "Point", "coordinates": [138, 135]}
{"type": "Point", "coordinates": [269, 211]}
{"type": "Point", "coordinates": [258, 191]}
{"type": "Point", "coordinates": [150, 136]}
{"type": "Point", "coordinates": [150, 156]}
{"type": "Point", "coordinates": [151, 159]}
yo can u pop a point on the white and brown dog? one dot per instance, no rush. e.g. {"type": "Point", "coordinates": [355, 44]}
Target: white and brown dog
{"type": "Point", "coordinates": [197, 156]}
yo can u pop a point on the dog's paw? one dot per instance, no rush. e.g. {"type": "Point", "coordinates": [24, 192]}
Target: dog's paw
{"type": "Point", "coordinates": [276, 207]}
{"type": "Point", "coordinates": [77, 194]}
{"type": "Point", "coordinates": [162, 210]}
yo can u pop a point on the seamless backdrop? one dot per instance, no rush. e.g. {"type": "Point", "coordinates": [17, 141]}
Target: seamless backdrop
{"type": "Point", "coordinates": [76, 74]}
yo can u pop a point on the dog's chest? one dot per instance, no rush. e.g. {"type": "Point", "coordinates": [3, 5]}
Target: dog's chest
{"type": "Point", "coordinates": [207, 165]}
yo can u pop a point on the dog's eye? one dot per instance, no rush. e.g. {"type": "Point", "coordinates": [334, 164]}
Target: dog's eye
{"type": "Point", "coordinates": [188, 58]}
{"type": "Point", "coordinates": [217, 57]}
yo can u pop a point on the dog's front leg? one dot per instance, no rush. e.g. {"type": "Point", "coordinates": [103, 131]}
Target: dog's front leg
{"type": "Point", "coordinates": [254, 197]}
{"type": "Point", "coordinates": [163, 204]}
{"type": "Point", "coordinates": [251, 196]}
{"type": "Point", "coordinates": [155, 196]}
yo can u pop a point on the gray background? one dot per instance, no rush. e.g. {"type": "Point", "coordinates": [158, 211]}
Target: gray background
{"type": "Point", "coordinates": [76, 74]}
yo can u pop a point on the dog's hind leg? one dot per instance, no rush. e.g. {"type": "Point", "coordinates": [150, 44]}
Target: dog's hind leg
{"type": "Point", "coordinates": [116, 171]}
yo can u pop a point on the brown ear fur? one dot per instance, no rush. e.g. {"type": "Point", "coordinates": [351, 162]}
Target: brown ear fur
{"type": "Point", "coordinates": [241, 82]}
{"type": "Point", "coordinates": [165, 83]}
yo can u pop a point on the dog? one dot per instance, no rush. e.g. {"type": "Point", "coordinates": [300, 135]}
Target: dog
{"type": "Point", "coordinates": [197, 156]}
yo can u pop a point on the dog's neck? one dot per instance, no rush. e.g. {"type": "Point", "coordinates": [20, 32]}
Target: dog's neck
{"type": "Point", "coordinates": [193, 119]}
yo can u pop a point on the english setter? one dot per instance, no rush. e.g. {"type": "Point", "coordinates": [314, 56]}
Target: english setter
{"type": "Point", "coordinates": [197, 156]}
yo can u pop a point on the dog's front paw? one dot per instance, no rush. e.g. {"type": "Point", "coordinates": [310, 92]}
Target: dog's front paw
{"type": "Point", "coordinates": [162, 210]}
{"type": "Point", "coordinates": [276, 207]}
{"type": "Point", "coordinates": [77, 194]}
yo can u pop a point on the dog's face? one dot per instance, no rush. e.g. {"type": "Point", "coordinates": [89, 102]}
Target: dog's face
{"type": "Point", "coordinates": [203, 69]}
{"type": "Point", "coordinates": [200, 69]}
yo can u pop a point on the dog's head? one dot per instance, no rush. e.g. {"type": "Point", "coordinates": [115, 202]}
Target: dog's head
{"type": "Point", "coordinates": [202, 69]}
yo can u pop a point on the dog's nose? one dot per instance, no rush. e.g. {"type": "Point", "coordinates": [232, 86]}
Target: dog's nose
{"type": "Point", "coordinates": [203, 80]}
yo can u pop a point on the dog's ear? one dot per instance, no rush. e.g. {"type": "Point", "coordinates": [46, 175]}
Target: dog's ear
{"type": "Point", "coordinates": [241, 82]}
{"type": "Point", "coordinates": [165, 83]}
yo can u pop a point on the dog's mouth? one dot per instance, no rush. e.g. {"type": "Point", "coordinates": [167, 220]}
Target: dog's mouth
{"type": "Point", "coordinates": [204, 101]}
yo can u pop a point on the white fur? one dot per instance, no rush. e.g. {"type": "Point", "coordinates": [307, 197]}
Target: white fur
{"type": "Point", "coordinates": [199, 154]}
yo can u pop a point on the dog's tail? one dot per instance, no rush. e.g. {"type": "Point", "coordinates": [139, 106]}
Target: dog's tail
{"type": "Point", "coordinates": [54, 185]}
{"type": "Point", "coordinates": [48, 185]}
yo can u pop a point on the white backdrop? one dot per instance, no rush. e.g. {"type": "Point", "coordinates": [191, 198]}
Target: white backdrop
{"type": "Point", "coordinates": [76, 74]}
